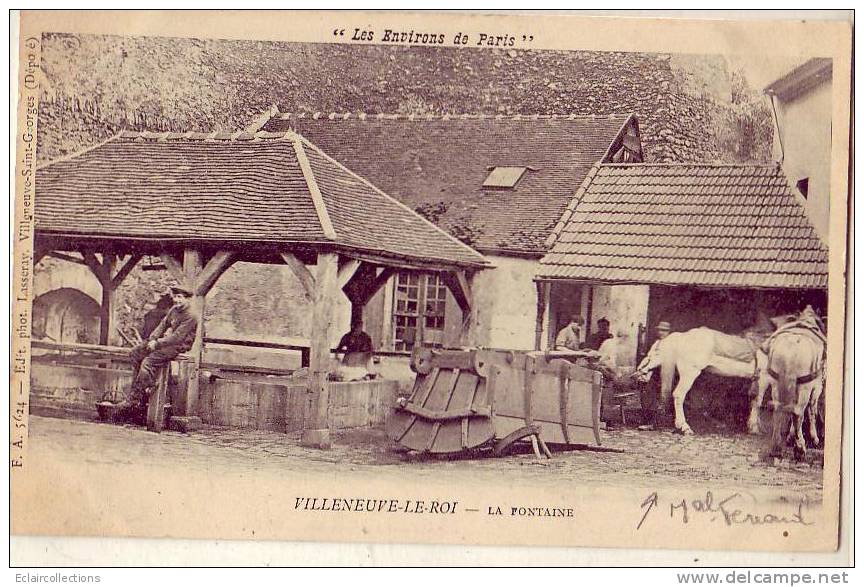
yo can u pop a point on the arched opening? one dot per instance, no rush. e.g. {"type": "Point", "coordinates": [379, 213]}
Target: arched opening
{"type": "Point", "coordinates": [66, 315]}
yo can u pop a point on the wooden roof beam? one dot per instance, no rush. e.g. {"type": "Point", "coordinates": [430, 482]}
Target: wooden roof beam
{"type": "Point", "coordinates": [215, 267]}
{"type": "Point", "coordinates": [347, 270]}
{"type": "Point", "coordinates": [366, 283]}
{"type": "Point", "coordinates": [175, 268]}
{"type": "Point", "coordinates": [459, 284]}
{"type": "Point", "coordinates": [124, 271]}
{"type": "Point", "coordinates": [301, 272]}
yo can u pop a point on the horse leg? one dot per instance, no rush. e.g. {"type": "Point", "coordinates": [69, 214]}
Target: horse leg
{"type": "Point", "coordinates": [815, 395]}
{"type": "Point", "coordinates": [668, 370]}
{"type": "Point", "coordinates": [807, 400]}
{"type": "Point", "coordinates": [800, 448]}
{"type": "Point", "coordinates": [761, 384]}
{"type": "Point", "coordinates": [686, 378]}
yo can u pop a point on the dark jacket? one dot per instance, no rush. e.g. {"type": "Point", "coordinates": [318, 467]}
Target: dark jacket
{"type": "Point", "coordinates": [355, 343]}
{"type": "Point", "coordinates": [177, 329]}
{"type": "Point", "coordinates": [596, 340]}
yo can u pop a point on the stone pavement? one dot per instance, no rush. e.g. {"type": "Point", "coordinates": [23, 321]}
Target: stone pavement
{"type": "Point", "coordinates": [628, 457]}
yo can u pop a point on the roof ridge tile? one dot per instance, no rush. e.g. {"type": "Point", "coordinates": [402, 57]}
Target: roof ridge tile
{"type": "Point", "coordinates": [411, 116]}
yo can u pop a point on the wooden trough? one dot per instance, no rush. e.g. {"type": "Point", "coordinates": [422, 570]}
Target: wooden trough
{"type": "Point", "coordinates": [469, 399]}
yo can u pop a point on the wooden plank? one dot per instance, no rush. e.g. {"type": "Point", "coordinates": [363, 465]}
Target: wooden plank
{"type": "Point", "coordinates": [402, 263]}
{"type": "Point", "coordinates": [480, 430]}
{"type": "Point", "coordinates": [528, 392]}
{"type": "Point", "coordinates": [400, 421]}
{"type": "Point", "coordinates": [417, 435]}
{"type": "Point", "coordinates": [108, 350]}
{"type": "Point", "coordinates": [449, 359]}
{"type": "Point", "coordinates": [443, 404]}
{"type": "Point", "coordinates": [549, 431]}
{"type": "Point", "coordinates": [447, 414]}
{"type": "Point", "coordinates": [453, 435]}
{"type": "Point", "coordinates": [564, 401]}
{"type": "Point", "coordinates": [596, 399]}
{"type": "Point", "coordinates": [577, 435]}
{"type": "Point", "coordinates": [301, 272]}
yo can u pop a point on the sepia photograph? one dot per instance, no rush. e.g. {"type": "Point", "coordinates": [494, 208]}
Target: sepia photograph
{"type": "Point", "coordinates": [438, 284]}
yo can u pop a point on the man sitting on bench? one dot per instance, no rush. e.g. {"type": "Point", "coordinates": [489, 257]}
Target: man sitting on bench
{"type": "Point", "coordinates": [174, 335]}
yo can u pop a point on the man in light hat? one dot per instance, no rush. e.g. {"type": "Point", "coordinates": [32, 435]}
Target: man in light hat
{"type": "Point", "coordinates": [174, 335]}
{"type": "Point", "coordinates": [570, 337]}
{"type": "Point", "coordinates": [650, 394]}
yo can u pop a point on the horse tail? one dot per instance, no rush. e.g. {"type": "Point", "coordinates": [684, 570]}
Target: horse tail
{"type": "Point", "coordinates": [787, 388]}
{"type": "Point", "coordinates": [781, 367]}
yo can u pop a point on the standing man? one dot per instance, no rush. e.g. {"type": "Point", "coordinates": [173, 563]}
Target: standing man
{"type": "Point", "coordinates": [174, 335]}
{"type": "Point", "coordinates": [650, 392]}
{"type": "Point", "coordinates": [596, 339]}
{"type": "Point", "coordinates": [570, 336]}
{"type": "Point", "coordinates": [355, 340]}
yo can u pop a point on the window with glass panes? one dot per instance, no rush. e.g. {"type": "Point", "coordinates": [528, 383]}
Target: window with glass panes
{"type": "Point", "coordinates": [418, 310]}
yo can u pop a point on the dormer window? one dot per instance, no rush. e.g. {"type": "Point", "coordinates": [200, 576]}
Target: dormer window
{"type": "Point", "coordinates": [803, 186]}
{"type": "Point", "coordinates": [504, 177]}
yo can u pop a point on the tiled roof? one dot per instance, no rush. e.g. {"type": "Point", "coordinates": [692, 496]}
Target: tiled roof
{"type": "Point", "coordinates": [235, 187]}
{"type": "Point", "coordinates": [707, 225]}
{"type": "Point", "coordinates": [439, 163]}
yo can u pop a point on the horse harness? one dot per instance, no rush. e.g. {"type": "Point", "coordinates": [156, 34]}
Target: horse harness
{"type": "Point", "coordinates": [810, 377]}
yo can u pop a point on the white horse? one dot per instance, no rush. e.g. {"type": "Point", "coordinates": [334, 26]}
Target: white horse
{"type": "Point", "coordinates": [794, 371]}
{"type": "Point", "coordinates": [700, 349]}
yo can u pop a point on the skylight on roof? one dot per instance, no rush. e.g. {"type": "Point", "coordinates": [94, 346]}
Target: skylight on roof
{"type": "Point", "coordinates": [504, 177]}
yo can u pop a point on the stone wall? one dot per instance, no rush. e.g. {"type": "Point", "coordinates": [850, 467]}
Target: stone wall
{"type": "Point", "coordinates": [93, 87]}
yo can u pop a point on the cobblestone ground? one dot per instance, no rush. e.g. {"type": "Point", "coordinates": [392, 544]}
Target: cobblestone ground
{"type": "Point", "coordinates": [628, 457]}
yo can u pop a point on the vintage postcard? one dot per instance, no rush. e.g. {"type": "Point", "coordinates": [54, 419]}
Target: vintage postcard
{"type": "Point", "coordinates": [431, 278]}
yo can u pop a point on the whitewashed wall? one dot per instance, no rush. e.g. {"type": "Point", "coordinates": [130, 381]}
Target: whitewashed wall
{"type": "Point", "coordinates": [506, 302]}
{"type": "Point", "coordinates": [805, 127]}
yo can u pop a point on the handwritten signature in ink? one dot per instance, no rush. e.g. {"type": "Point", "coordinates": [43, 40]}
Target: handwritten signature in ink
{"type": "Point", "coordinates": [728, 510]}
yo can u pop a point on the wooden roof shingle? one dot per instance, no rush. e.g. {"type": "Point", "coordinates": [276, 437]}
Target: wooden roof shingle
{"type": "Point", "coordinates": [441, 162]}
{"type": "Point", "coordinates": [232, 187]}
{"type": "Point", "coordinates": [687, 224]}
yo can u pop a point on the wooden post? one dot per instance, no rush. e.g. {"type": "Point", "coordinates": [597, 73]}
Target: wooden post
{"type": "Point", "coordinates": [545, 338]}
{"type": "Point", "coordinates": [191, 269]}
{"type": "Point", "coordinates": [459, 283]}
{"type": "Point", "coordinates": [107, 309]}
{"type": "Point", "coordinates": [316, 425]}
{"type": "Point", "coordinates": [542, 303]}
{"type": "Point", "coordinates": [103, 269]}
